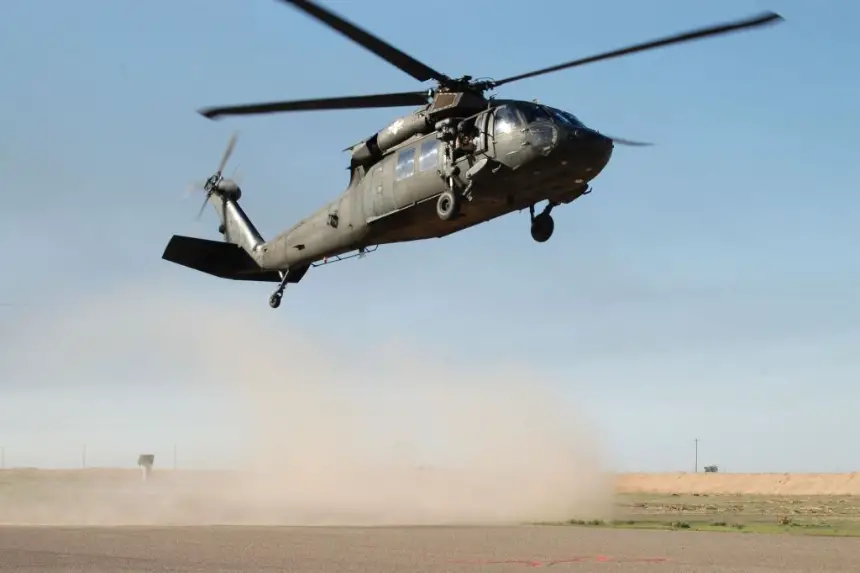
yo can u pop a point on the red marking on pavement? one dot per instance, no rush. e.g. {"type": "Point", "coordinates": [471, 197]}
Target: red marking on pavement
{"type": "Point", "coordinates": [526, 562]}
{"type": "Point", "coordinates": [550, 562]}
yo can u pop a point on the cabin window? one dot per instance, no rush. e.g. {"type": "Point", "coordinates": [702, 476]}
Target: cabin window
{"type": "Point", "coordinates": [405, 163]}
{"type": "Point", "coordinates": [507, 120]}
{"type": "Point", "coordinates": [429, 155]}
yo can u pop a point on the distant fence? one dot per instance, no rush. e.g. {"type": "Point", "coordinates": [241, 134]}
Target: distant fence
{"type": "Point", "coordinates": [15, 458]}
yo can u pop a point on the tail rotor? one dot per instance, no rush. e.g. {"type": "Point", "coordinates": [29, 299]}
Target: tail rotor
{"type": "Point", "coordinates": [218, 185]}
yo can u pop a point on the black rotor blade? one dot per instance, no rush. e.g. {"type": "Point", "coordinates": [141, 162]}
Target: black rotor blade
{"type": "Point", "coordinates": [630, 142]}
{"type": "Point", "coordinates": [384, 50]}
{"type": "Point", "coordinates": [203, 206]}
{"type": "Point", "coordinates": [350, 102]}
{"type": "Point", "coordinates": [760, 20]}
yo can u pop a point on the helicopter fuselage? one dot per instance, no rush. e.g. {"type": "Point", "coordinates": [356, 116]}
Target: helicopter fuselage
{"type": "Point", "coordinates": [459, 160]}
{"type": "Point", "coordinates": [525, 153]}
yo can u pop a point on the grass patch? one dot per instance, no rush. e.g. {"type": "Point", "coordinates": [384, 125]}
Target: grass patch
{"type": "Point", "coordinates": [821, 529]}
{"type": "Point", "coordinates": [796, 515]}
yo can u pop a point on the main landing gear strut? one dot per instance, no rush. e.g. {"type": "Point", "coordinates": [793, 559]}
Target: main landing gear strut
{"type": "Point", "coordinates": [287, 276]}
{"type": "Point", "coordinates": [275, 299]}
{"type": "Point", "coordinates": [542, 225]}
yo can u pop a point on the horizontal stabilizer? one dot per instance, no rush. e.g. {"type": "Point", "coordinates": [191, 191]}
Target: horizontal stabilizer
{"type": "Point", "coordinates": [224, 260]}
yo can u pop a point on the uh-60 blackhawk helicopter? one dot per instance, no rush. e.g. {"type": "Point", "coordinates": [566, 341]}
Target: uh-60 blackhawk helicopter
{"type": "Point", "coordinates": [459, 160]}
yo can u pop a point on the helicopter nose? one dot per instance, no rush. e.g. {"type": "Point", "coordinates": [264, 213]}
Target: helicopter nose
{"type": "Point", "coordinates": [587, 153]}
{"type": "Point", "coordinates": [594, 148]}
{"type": "Point", "coordinates": [593, 141]}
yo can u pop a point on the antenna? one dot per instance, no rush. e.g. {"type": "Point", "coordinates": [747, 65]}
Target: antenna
{"type": "Point", "coordinates": [696, 467]}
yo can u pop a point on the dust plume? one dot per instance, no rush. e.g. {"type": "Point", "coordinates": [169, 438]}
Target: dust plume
{"type": "Point", "coordinates": [370, 433]}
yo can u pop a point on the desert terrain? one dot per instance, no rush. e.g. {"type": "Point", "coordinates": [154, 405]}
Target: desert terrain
{"type": "Point", "coordinates": [188, 521]}
{"type": "Point", "coordinates": [122, 497]}
{"type": "Point", "coordinates": [767, 484]}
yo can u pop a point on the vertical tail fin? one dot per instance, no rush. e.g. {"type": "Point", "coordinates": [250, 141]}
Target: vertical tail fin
{"type": "Point", "coordinates": [235, 225]}
{"type": "Point", "coordinates": [224, 195]}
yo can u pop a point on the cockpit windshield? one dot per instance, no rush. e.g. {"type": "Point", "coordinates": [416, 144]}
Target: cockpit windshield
{"type": "Point", "coordinates": [516, 115]}
{"type": "Point", "coordinates": [565, 118]}
{"type": "Point", "coordinates": [513, 116]}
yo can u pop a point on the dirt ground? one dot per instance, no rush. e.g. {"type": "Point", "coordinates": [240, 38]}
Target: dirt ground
{"type": "Point", "coordinates": [732, 504]}
{"type": "Point", "coordinates": [766, 484]}
{"type": "Point", "coordinates": [114, 496]}
{"type": "Point", "coordinates": [415, 550]}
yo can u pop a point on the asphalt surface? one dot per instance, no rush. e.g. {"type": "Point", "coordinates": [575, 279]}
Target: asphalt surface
{"type": "Point", "coordinates": [415, 549]}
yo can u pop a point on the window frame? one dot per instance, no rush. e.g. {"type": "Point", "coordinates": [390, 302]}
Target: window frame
{"type": "Point", "coordinates": [424, 154]}
{"type": "Point", "coordinates": [404, 156]}
{"type": "Point", "coordinates": [520, 123]}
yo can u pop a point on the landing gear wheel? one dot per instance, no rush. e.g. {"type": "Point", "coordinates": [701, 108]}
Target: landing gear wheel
{"type": "Point", "coordinates": [447, 206]}
{"type": "Point", "coordinates": [542, 227]}
{"type": "Point", "coordinates": [275, 300]}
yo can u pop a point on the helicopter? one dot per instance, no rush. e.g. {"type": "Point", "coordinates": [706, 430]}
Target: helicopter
{"type": "Point", "coordinates": [461, 158]}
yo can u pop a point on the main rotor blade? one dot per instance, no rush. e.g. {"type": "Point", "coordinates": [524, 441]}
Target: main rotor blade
{"type": "Point", "coordinates": [351, 102]}
{"type": "Point", "coordinates": [630, 142]}
{"type": "Point", "coordinates": [384, 50]}
{"type": "Point", "coordinates": [760, 20]}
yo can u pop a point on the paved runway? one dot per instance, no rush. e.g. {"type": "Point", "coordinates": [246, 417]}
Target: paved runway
{"type": "Point", "coordinates": [415, 549]}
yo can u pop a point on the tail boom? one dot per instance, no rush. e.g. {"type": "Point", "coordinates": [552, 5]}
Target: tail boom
{"type": "Point", "coordinates": [235, 225]}
{"type": "Point", "coordinates": [242, 254]}
{"type": "Point", "coordinates": [239, 256]}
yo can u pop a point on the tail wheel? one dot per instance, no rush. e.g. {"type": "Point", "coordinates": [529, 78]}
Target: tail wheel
{"type": "Point", "coordinates": [275, 300]}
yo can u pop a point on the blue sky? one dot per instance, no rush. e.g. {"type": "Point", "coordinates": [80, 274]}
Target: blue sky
{"type": "Point", "coordinates": [707, 288]}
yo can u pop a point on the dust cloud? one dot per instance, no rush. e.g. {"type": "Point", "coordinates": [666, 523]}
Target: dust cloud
{"type": "Point", "coordinates": [370, 433]}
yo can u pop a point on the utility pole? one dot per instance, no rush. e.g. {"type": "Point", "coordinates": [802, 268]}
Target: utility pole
{"type": "Point", "coordinates": [2, 458]}
{"type": "Point", "coordinates": [696, 441]}
{"type": "Point", "coordinates": [174, 456]}
{"type": "Point", "coordinates": [84, 457]}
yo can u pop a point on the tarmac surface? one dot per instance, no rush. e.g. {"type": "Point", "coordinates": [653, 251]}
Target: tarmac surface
{"type": "Point", "coordinates": [415, 549]}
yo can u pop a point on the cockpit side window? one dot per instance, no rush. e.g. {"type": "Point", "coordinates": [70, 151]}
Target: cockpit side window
{"type": "Point", "coordinates": [506, 120]}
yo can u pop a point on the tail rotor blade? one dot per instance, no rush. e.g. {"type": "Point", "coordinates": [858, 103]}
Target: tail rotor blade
{"type": "Point", "coordinates": [236, 177]}
{"type": "Point", "coordinates": [195, 186]}
{"type": "Point", "coordinates": [203, 206]}
{"type": "Point", "coordinates": [217, 185]}
{"type": "Point", "coordinates": [228, 152]}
